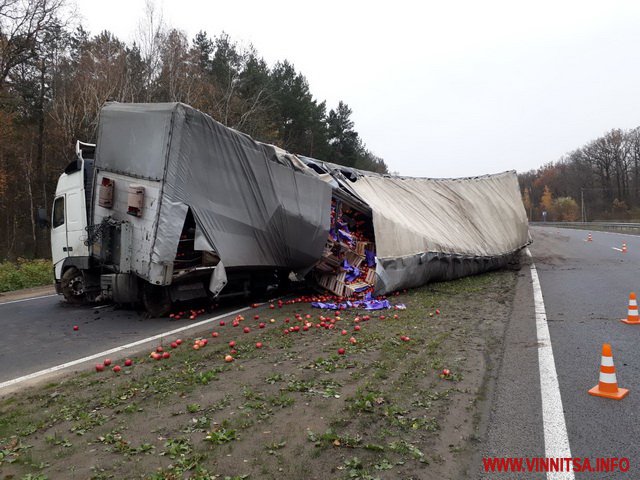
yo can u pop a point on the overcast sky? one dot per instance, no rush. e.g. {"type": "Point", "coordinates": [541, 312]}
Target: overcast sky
{"type": "Point", "coordinates": [439, 89]}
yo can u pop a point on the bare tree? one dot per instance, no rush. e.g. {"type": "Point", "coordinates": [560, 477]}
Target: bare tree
{"type": "Point", "coordinates": [23, 24]}
{"type": "Point", "coordinates": [150, 37]}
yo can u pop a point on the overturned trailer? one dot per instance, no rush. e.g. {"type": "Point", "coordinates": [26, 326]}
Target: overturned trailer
{"type": "Point", "coordinates": [434, 229]}
{"type": "Point", "coordinates": [177, 206]}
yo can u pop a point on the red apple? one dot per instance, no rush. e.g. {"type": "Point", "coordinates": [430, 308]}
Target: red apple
{"type": "Point", "coordinates": [353, 340]}
{"type": "Point", "coordinates": [232, 344]}
{"type": "Point", "coordinates": [117, 368]}
{"type": "Point", "coordinates": [246, 330]}
{"type": "Point", "coordinates": [107, 362]}
{"type": "Point", "coordinates": [99, 367]}
{"type": "Point", "coordinates": [173, 345]}
{"type": "Point", "coordinates": [233, 351]}
{"type": "Point", "coordinates": [357, 328]}
{"type": "Point", "coordinates": [179, 341]}
{"type": "Point", "coordinates": [159, 349]}
{"type": "Point", "coordinates": [341, 351]}
{"type": "Point", "coordinates": [437, 312]}
{"type": "Point", "coordinates": [222, 323]}
{"type": "Point", "coordinates": [166, 355]}
{"type": "Point", "coordinates": [272, 306]}
{"type": "Point", "coordinates": [445, 372]}
{"type": "Point", "coordinates": [259, 345]}
{"type": "Point", "coordinates": [262, 325]}
{"type": "Point", "coordinates": [75, 328]}
{"type": "Point", "coordinates": [214, 334]}
{"type": "Point", "coordinates": [228, 358]}
{"type": "Point", "coordinates": [128, 362]}
{"type": "Point", "coordinates": [256, 317]}
{"type": "Point", "coordinates": [196, 346]}
{"type": "Point", "coordinates": [343, 332]}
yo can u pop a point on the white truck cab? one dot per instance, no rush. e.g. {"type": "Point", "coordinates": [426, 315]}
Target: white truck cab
{"type": "Point", "coordinates": [69, 252]}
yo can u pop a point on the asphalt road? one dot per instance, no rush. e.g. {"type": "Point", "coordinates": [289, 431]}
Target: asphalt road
{"type": "Point", "coordinates": [586, 288]}
{"type": "Point", "coordinates": [38, 333]}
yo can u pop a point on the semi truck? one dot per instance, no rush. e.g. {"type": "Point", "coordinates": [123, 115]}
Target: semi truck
{"type": "Point", "coordinates": [171, 205]}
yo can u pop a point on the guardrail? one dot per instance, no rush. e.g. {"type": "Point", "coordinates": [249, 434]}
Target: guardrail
{"type": "Point", "coordinates": [633, 227]}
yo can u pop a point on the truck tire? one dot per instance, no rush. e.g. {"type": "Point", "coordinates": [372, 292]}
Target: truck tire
{"type": "Point", "coordinates": [156, 300]}
{"type": "Point", "coordinates": [73, 287]}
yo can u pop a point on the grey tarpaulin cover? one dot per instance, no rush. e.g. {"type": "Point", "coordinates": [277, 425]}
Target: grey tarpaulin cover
{"type": "Point", "coordinates": [253, 206]}
{"type": "Point", "coordinates": [430, 229]}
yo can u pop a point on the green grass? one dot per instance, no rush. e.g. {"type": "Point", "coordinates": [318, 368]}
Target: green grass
{"type": "Point", "coordinates": [25, 274]}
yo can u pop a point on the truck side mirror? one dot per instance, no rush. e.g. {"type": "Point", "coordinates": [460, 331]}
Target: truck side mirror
{"type": "Point", "coordinates": [42, 218]}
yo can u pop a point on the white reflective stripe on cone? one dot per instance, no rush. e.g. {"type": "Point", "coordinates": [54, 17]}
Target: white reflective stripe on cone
{"type": "Point", "coordinates": [606, 362]}
{"type": "Point", "coordinates": [633, 303]}
{"type": "Point", "coordinates": [632, 313]}
{"type": "Point", "coordinates": [608, 377]}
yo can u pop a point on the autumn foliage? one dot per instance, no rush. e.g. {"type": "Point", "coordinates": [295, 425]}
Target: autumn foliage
{"type": "Point", "coordinates": [55, 77]}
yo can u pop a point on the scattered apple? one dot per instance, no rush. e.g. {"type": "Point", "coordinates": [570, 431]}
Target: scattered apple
{"type": "Point", "coordinates": [273, 320]}
{"type": "Point", "coordinates": [256, 317]}
{"type": "Point", "coordinates": [341, 351]}
{"type": "Point", "coordinates": [232, 344]}
{"type": "Point", "coordinates": [196, 346]}
{"type": "Point", "coordinates": [233, 351]}
{"type": "Point", "coordinates": [99, 367]}
{"type": "Point", "coordinates": [343, 332]}
{"type": "Point", "coordinates": [446, 372]}
{"type": "Point", "coordinates": [179, 341]}
{"type": "Point", "coordinates": [258, 344]}
{"type": "Point", "coordinates": [353, 340]}
{"type": "Point", "coordinates": [262, 325]}
{"type": "Point", "coordinates": [107, 362]}
{"type": "Point", "coordinates": [75, 328]}
{"type": "Point", "coordinates": [166, 355]}
{"type": "Point", "coordinates": [222, 324]}
{"type": "Point", "coordinates": [159, 349]}
{"type": "Point", "coordinates": [173, 345]}
{"type": "Point", "coordinates": [228, 358]}
{"type": "Point", "coordinates": [128, 362]}
{"type": "Point", "coordinates": [116, 369]}
{"type": "Point", "coordinates": [246, 330]}
{"type": "Point", "coordinates": [214, 334]}
{"type": "Point", "coordinates": [357, 328]}
{"type": "Point", "coordinates": [437, 312]}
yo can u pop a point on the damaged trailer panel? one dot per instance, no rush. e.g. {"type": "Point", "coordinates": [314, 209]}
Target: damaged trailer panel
{"type": "Point", "coordinates": [253, 207]}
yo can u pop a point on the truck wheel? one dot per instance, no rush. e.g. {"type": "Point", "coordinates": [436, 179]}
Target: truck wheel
{"type": "Point", "coordinates": [156, 300]}
{"type": "Point", "coordinates": [73, 288]}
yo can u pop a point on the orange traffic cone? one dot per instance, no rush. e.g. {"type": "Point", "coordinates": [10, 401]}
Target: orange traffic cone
{"type": "Point", "coordinates": [632, 314]}
{"type": "Point", "coordinates": [589, 239]}
{"type": "Point", "coordinates": [624, 247]}
{"type": "Point", "coordinates": [608, 385]}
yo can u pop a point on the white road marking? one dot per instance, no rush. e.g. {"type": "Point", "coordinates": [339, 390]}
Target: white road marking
{"type": "Point", "coordinates": [28, 299]}
{"type": "Point", "coordinates": [556, 440]}
{"type": "Point", "coordinates": [616, 248]}
{"type": "Point", "coordinates": [116, 349]}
